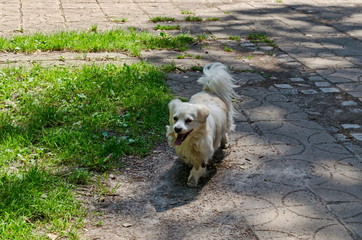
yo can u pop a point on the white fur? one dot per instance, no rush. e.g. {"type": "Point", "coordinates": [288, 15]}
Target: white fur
{"type": "Point", "coordinates": [202, 123]}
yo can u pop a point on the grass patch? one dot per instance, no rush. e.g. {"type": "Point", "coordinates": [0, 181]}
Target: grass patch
{"type": "Point", "coordinates": [212, 19]}
{"type": "Point", "coordinates": [130, 41]}
{"type": "Point", "coordinates": [166, 28]}
{"type": "Point", "coordinates": [119, 20]}
{"type": "Point", "coordinates": [235, 38]}
{"type": "Point", "coordinates": [88, 116]}
{"type": "Point", "coordinates": [34, 203]}
{"type": "Point", "coordinates": [228, 49]}
{"type": "Point", "coordinates": [58, 124]}
{"type": "Point", "coordinates": [162, 19]}
{"type": "Point", "coordinates": [186, 12]}
{"type": "Point", "coordinates": [193, 19]}
{"type": "Point", "coordinates": [257, 37]}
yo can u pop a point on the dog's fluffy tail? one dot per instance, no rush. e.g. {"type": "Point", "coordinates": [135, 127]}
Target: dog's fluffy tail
{"type": "Point", "coordinates": [217, 80]}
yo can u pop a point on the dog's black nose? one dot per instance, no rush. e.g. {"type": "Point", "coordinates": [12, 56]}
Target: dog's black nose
{"type": "Point", "coordinates": [177, 129]}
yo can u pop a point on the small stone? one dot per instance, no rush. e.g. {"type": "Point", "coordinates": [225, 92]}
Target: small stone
{"type": "Point", "coordinates": [309, 91]}
{"type": "Point", "coordinates": [322, 84]}
{"type": "Point", "coordinates": [348, 103]}
{"type": "Point", "coordinates": [350, 126]}
{"type": "Point", "coordinates": [357, 136]}
{"type": "Point", "coordinates": [296, 79]}
{"type": "Point", "coordinates": [284, 86]}
{"type": "Point", "coordinates": [258, 53]}
{"type": "Point", "coordinates": [329, 90]}
{"type": "Point", "coordinates": [127, 225]}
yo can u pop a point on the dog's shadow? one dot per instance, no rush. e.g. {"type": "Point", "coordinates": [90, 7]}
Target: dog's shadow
{"type": "Point", "coordinates": [171, 190]}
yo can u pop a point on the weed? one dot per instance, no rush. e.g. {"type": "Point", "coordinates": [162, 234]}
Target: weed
{"type": "Point", "coordinates": [228, 49]}
{"type": "Point", "coordinates": [93, 28]}
{"type": "Point", "coordinates": [235, 38]}
{"type": "Point", "coordinates": [163, 27]}
{"type": "Point", "coordinates": [227, 12]}
{"type": "Point", "coordinates": [211, 19]}
{"type": "Point", "coordinates": [186, 12]}
{"type": "Point", "coordinates": [162, 19]}
{"type": "Point", "coordinates": [121, 20]}
{"type": "Point", "coordinates": [196, 68]}
{"type": "Point", "coordinates": [201, 38]}
{"type": "Point", "coordinates": [257, 37]}
{"type": "Point", "coordinates": [193, 19]}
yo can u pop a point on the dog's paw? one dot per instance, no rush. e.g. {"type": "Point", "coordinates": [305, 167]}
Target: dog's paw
{"type": "Point", "coordinates": [192, 182]}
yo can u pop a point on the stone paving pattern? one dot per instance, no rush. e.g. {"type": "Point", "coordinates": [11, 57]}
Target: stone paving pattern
{"type": "Point", "coordinates": [298, 179]}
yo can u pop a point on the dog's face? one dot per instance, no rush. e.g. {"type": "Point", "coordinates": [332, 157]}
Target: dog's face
{"type": "Point", "coordinates": [186, 118]}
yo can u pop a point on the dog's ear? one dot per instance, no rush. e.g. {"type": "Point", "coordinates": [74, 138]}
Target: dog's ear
{"type": "Point", "coordinates": [173, 104]}
{"type": "Point", "coordinates": [202, 114]}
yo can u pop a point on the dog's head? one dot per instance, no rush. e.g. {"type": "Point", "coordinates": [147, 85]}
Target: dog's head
{"type": "Point", "coordinates": [186, 119]}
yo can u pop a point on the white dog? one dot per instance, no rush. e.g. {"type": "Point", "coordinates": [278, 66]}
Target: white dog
{"type": "Point", "coordinates": [198, 128]}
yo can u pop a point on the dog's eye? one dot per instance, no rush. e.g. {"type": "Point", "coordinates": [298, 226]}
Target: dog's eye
{"type": "Point", "coordinates": [175, 119]}
{"type": "Point", "coordinates": [188, 121]}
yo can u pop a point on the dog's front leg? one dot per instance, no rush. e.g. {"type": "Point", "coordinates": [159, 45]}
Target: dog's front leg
{"type": "Point", "coordinates": [195, 174]}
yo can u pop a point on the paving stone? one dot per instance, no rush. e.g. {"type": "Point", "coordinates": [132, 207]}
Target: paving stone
{"type": "Point", "coordinates": [341, 137]}
{"type": "Point", "coordinates": [283, 86]}
{"type": "Point", "coordinates": [309, 91]}
{"type": "Point", "coordinates": [296, 79]}
{"type": "Point", "coordinates": [329, 90]}
{"type": "Point", "coordinates": [322, 84]}
{"type": "Point", "coordinates": [348, 103]}
{"type": "Point", "coordinates": [315, 78]}
{"type": "Point", "coordinates": [350, 126]}
{"type": "Point", "coordinates": [357, 136]}
{"type": "Point", "coordinates": [356, 110]}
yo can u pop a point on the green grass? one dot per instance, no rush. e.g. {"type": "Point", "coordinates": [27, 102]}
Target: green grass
{"type": "Point", "coordinates": [34, 203]}
{"type": "Point", "coordinates": [193, 19]}
{"type": "Point", "coordinates": [228, 49]}
{"type": "Point", "coordinates": [235, 38]}
{"type": "Point", "coordinates": [186, 12]}
{"type": "Point", "coordinates": [257, 37]}
{"type": "Point", "coordinates": [88, 116]}
{"type": "Point", "coordinates": [162, 19]}
{"type": "Point", "coordinates": [58, 124]}
{"type": "Point", "coordinates": [166, 28]}
{"type": "Point", "coordinates": [212, 19]}
{"type": "Point", "coordinates": [120, 20]}
{"type": "Point", "coordinates": [131, 41]}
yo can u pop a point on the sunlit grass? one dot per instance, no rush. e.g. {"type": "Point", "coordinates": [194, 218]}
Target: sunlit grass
{"type": "Point", "coordinates": [130, 41]}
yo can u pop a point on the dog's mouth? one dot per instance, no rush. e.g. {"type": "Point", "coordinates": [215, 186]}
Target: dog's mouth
{"type": "Point", "coordinates": [181, 137]}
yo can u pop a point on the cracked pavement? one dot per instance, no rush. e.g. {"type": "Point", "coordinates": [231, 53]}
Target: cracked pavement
{"type": "Point", "coordinates": [294, 166]}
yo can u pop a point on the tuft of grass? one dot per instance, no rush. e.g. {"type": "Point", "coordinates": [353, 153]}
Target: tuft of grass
{"type": "Point", "coordinates": [186, 12]}
{"type": "Point", "coordinates": [258, 37]}
{"type": "Point", "coordinates": [166, 28]}
{"type": "Point", "coordinates": [193, 19]}
{"type": "Point", "coordinates": [120, 20]}
{"type": "Point", "coordinates": [162, 19]}
{"type": "Point", "coordinates": [212, 19]}
{"type": "Point", "coordinates": [130, 41]}
{"type": "Point", "coordinates": [235, 38]}
{"type": "Point", "coordinates": [196, 68]}
{"type": "Point", "coordinates": [228, 49]}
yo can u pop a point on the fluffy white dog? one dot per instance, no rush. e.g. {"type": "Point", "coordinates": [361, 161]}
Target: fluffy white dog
{"type": "Point", "coordinates": [199, 127]}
